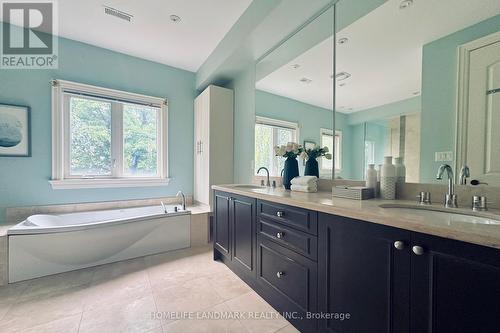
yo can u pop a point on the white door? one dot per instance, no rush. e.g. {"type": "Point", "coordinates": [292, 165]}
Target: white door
{"type": "Point", "coordinates": [483, 128]}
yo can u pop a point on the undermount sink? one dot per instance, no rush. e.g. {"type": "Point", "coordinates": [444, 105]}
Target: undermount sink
{"type": "Point", "coordinates": [441, 213]}
{"type": "Point", "coordinates": [250, 186]}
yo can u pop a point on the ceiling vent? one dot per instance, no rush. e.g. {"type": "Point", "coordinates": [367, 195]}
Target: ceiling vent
{"type": "Point", "coordinates": [117, 13]}
{"type": "Point", "coordinates": [305, 80]}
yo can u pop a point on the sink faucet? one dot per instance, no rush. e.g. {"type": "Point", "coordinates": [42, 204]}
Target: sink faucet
{"type": "Point", "coordinates": [450, 200]}
{"type": "Point", "coordinates": [268, 184]}
{"type": "Point", "coordinates": [183, 199]}
{"type": "Point", "coordinates": [464, 174]}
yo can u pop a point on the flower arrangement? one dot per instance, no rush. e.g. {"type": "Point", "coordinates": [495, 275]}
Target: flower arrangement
{"type": "Point", "coordinates": [316, 152]}
{"type": "Point", "coordinates": [291, 149]}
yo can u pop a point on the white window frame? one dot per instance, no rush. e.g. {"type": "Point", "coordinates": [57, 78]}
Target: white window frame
{"type": "Point", "coordinates": [335, 154]}
{"type": "Point", "coordinates": [278, 123]}
{"type": "Point", "coordinates": [60, 134]}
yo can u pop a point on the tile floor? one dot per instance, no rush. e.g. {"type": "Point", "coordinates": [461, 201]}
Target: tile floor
{"type": "Point", "coordinates": [147, 294]}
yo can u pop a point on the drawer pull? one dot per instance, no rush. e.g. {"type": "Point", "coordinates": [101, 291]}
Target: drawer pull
{"type": "Point", "coordinates": [280, 235]}
{"type": "Point", "coordinates": [399, 245]}
{"type": "Point", "coordinates": [418, 250]}
{"type": "Point", "coordinates": [280, 274]}
{"type": "Point", "coordinates": [280, 214]}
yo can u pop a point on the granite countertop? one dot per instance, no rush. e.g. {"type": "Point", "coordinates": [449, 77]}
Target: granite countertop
{"type": "Point", "coordinates": [370, 211]}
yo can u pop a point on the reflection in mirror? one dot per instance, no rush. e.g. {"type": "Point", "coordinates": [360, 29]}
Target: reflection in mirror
{"type": "Point", "coordinates": [294, 98]}
{"type": "Point", "coordinates": [397, 89]}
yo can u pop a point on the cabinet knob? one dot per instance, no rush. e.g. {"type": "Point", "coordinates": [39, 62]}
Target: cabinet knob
{"type": "Point", "coordinates": [280, 214]}
{"type": "Point", "coordinates": [280, 235]}
{"type": "Point", "coordinates": [280, 274]}
{"type": "Point", "coordinates": [399, 245]}
{"type": "Point", "coordinates": [418, 250]}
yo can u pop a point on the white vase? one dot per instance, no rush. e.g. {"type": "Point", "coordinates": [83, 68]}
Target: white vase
{"type": "Point", "coordinates": [371, 177]}
{"type": "Point", "coordinates": [400, 170]}
{"type": "Point", "coordinates": [388, 179]}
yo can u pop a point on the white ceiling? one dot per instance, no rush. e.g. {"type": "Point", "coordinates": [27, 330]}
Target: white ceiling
{"type": "Point", "coordinates": [383, 55]}
{"type": "Point", "coordinates": [151, 34]}
{"type": "Point", "coordinates": [317, 65]}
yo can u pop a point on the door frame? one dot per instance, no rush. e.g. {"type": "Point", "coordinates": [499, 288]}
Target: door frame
{"type": "Point", "coordinates": [462, 117]}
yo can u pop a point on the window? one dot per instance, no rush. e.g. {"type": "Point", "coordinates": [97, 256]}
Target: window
{"type": "Point", "coordinates": [369, 153]}
{"type": "Point", "coordinates": [327, 140]}
{"type": "Point", "coordinates": [270, 133]}
{"type": "Point", "coordinates": [107, 138]}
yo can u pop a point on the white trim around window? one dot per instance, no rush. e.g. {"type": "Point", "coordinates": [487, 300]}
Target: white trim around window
{"type": "Point", "coordinates": [61, 179]}
{"type": "Point", "coordinates": [279, 123]}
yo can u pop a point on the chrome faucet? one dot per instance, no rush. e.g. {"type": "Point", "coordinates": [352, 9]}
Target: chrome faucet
{"type": "Point", "coordinates": [464, 174]}
{"type": "Point", "coordinates": [183, 199]}
{"type": "Point", "coordinates": [450, 200]}
{"type": "Point", "coordinates": [268, 184]}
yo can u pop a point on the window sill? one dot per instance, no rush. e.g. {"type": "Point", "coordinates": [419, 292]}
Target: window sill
{"type": "Point", "coordinates": [66, 184]}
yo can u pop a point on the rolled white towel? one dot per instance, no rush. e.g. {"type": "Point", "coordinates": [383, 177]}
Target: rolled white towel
{"type": "Point", "coordinates": [304, 188]}
{"type": "Point", "coordinates": [305, 180]}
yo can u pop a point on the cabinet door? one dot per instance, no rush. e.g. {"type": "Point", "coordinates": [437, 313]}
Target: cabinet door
{"type": "Point", "coordinates": [243, 211]}
{"type": "Point", "coordinates": [222, 225]}
{"type": "Point", "coordinates": [363, 274]}
{"type": "Point", "coordinates": [455, 287]}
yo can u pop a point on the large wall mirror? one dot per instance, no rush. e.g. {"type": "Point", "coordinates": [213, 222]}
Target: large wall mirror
{"type": "Point", "coordinates": [294, 96]}
{"type": "Point", "coordinates": [420, 80]}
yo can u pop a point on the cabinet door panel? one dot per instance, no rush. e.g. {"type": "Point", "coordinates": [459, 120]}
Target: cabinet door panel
{"type": "Point", "coordinates": [455, 287]}
{"type": "Point", "coordinates": [243, 219]}
{"type": "Point", "coordinates": [222, 232]}
{"type": "Point", "coordinates": [363, 274]}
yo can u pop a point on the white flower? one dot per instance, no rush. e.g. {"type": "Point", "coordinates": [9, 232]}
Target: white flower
{"type": "Point", "coordinates": [328, 156]}
{"type": "Point", "coordinates": [282, 151]}
{"type": "Point", "coordinates": [325, 149]}
{"type": "Point", "coordinates": [303, 155]}
{"type": "Point", "coordinates": [289, 147]}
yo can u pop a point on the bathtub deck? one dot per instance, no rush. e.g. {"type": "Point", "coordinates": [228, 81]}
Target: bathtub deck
{"type": "Point", "coordinates": [121, 297]}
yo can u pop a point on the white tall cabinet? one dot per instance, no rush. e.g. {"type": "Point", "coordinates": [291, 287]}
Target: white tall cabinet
{"type": "Point", "coordinates": [213, 139]}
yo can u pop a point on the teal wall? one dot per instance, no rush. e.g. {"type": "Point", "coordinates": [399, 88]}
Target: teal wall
{"type": "Point", "coordinates": [439, 93]}
{"type": "Point", "coordinates": [24, 181]}
{"type": "Point", "coordinates": [310, 118]}
{"type": "Point", "coordinates": [377, 132]}
{"type": "Point", "coordinates": [368, 123]}
{"type": "Point", "coordinates": [395, 109]}
{"type": "Point", "coordinates": [243, 85]}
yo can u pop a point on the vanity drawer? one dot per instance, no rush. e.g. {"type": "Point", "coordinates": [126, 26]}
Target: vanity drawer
{"type": "Point", "coordinates": [290, 275]}
{"type": "Point", "coordinates": [301, 219]}
{"type": "Point", "coordinates": [300, 242]}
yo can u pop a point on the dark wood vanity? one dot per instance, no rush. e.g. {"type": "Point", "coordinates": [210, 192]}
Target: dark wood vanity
{"type": "Point", "coordinates": [368, 278]}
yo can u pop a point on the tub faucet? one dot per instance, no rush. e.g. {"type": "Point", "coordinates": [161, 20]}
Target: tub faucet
{"type": "Point", "coordinates": [450, 200]}
{"type": "Point", "coordinates": [268, 184]}
{"type": "Point", "coordinates": [183, 199]}
{"type": "Point", "coordinates": [163, 206]}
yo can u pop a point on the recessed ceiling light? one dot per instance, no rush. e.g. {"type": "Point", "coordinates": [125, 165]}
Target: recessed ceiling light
{"type": "Point", "coordinates": [405, 4]}
{"type": "Point", "coordinates": [343, 40]}
{"type": "Point", "coordinates": [305, 80]}
{"type": "Point", "coordinates": [175, 18]}
{"type": "Point", "coordinates": [342, 76]}
{"type": "Point", "coordinates": [295, 66]}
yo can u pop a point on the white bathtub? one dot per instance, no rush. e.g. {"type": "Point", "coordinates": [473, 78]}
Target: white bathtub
{"type": "Point", "coordinates": [49, 244]}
